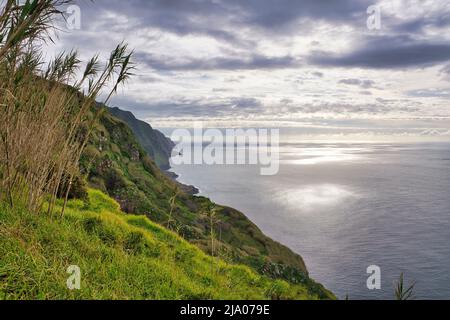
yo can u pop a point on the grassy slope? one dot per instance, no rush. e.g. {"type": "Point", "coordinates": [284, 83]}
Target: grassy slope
{"type": "Point", "coordinates": [117, 165]}
{"type": "Point", "coordinates": [121, 257]}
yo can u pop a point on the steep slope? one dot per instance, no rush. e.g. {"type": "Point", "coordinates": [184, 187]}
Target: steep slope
{"type": "Point", "coordinates": [116, 164]}
{"type": "Point", "coordinates": [157, 146]}
{"type": "Point", "coordinates": [120, 257]}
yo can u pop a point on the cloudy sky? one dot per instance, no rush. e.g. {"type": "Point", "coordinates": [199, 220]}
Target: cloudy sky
{"type": "Point", "coordinates": [307, 63]}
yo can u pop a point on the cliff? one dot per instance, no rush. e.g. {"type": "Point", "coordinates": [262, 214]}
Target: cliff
{"type": "Point", "coordinates": [157, 146]}
{"type": "Point", "coordinates": [116, 164]}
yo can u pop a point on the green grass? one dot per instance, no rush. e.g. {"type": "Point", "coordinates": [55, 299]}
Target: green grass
{"type": "Point", "coordinates": [121, 257]}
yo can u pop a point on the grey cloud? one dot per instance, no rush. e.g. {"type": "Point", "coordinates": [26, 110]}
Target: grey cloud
{"type": "Point", "coordinates": [434, 132]}
{"type": "Point", "coordinates": [148, 78]}
{"type": "Point", "coordinates": [445, 72]}
{"type": "Point", "coordinates": [365, 84]}
{"type": "Point", "coordinates": [342, 108]}
{"type": "Point", "coordinates": [223, 20]}
{"type": "Point", "coordinates": [430, 93]}
{"type": "Point", "coordinates": [221, 90]}
{"type": "Point", "coordinates": [286, 101]}
{"type": "Point", "coordinates": [386, 101]}
{"type": "Point", "coordinates": [229, 63]}
{"type": "Point", "coordinates": [183, 107]}
{"type": "Point", "coordinates": [318, 74]}
{"type": "Point", "coordinates": [237, 79]}
{"type": "Point", "coordinates": [369, 108]}
{"type": "Point", "coordinates": [177, 15]}
{"type": "Point", "coordinates": [281, 13]}
{"type": "Point", "coordinates": [418, 25]}
{"type": "Point", "coordinates": [388, 53]}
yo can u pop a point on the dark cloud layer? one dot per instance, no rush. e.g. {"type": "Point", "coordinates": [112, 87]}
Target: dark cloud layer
{"type": "Point", "coordinates": [280, 13]}
{"type": "Point", "coordinates": [192, 16]}
{"type": "Point", "coordinates": [240, 63]}
{"type": "Point", "coordinates": [388, 53]}
{"type": "Point", "coordinates": [180, 44]}
{"type": "Point", "coordinates": [186, 107]}
{"type": "Point", "coordinates": [224, 19]}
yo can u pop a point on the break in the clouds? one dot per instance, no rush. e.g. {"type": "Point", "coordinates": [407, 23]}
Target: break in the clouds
{"type": "Point", "coordinates": [276, 61]}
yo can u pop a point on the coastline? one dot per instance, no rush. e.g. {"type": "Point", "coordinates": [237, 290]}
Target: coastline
{"type": "Point", "coordinates": [189, 189]}
{"type": "Point", "coordinates": [198, 193]}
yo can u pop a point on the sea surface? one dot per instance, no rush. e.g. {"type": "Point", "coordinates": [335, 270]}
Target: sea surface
{"type": "Point", "coordinates": [346, 206]}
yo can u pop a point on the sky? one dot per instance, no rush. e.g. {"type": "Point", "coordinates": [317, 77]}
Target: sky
{"type": "Point", "coordinates": [283, 63]}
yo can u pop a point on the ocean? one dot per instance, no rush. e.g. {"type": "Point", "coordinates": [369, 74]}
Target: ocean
{"type": "Point", "coordinates": [345, 206]}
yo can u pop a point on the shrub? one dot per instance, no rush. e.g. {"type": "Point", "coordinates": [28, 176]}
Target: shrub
{"type": "Point", "coordinates": [78, 188]}
{"type": "Point", "coordinates": [278, 290]}
{"type": "Point", "coordinates": [114, 180]}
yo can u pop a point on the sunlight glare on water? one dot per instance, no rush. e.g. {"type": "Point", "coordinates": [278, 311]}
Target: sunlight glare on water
{"type": "Point", "coordinates": [310, 198]}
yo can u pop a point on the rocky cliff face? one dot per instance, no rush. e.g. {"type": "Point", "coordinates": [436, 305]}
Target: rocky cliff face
{"type": "Point", "coordinates": [157, 146]}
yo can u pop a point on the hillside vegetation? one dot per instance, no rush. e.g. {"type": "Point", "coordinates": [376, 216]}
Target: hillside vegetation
{"type": "Point", "coordinates": [115, 163]}
{"type": "Point", "coordinates": [120, 256]}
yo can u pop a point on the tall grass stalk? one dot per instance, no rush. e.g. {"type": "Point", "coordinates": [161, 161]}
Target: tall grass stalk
{"type": "Point", "coordinates": [46, 118]}
{"type": "Point", "coordinates": [402, 292]}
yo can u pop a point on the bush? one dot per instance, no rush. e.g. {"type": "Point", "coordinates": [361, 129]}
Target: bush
{"type": "Point", "coordinates": [78, 189]}
{"type": "Point", "coordinates": [114, 180]}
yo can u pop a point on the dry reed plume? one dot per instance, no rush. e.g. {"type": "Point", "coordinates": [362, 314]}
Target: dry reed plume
{"type": "Point", "coordinates": [45, 119]}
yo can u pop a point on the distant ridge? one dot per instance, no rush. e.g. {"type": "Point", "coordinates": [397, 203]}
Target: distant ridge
{"type": "Point", "coordinates": [156, 144]}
